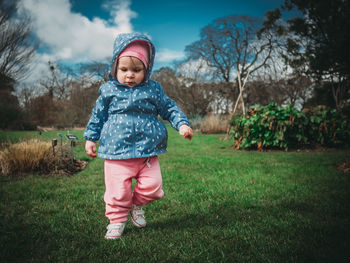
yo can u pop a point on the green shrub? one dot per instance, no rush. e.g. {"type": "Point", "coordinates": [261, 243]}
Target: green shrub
{"type": "Point", "coordinates": [327, 127]}
{"type": "Point", "coordinates": [273, 126]}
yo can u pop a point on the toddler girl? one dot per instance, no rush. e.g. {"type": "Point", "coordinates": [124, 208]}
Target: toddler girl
{"type": "Point", "coordinates": [130, 136]}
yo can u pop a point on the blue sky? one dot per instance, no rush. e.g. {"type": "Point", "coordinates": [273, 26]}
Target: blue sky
{"type": "Point", "coordinates": [73, 31]}
{"type": "Point", "coordinates": [175, 24]}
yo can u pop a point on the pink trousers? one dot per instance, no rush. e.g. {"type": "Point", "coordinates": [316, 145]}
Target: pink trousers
{"type": "Point", "coordinates": [119, 196]}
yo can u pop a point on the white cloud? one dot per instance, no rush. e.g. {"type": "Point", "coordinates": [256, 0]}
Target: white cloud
{"type": "Point", "coordinates": [72, 36]}
{"type": "Point", "coordinates": [166, 55]}
{"type": "Point", "coordinates": [121, 13]}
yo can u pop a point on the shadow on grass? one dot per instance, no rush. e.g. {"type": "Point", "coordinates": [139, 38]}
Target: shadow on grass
{"type": "Point", "coordinates": [290, 229]}
{"type": "Point", "coordinates": [282, 231]}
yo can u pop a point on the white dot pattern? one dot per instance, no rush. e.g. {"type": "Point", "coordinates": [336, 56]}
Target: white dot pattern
{"type": "Point", "coordinates": [125, 119]}
{"type": "Point", "coordinates": [126, 123]}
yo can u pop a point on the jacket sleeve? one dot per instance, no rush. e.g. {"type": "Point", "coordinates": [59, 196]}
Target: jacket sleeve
{"type": "Point", "coordinates": [98, 117]}
{"type": "Point", "coordinates": [170, 111]}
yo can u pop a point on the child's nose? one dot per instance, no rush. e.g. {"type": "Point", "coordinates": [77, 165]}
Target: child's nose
{"type": "Point", "coordinates": [130, 74]}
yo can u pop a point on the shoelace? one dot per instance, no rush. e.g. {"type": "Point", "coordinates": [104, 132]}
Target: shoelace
{"type": "Point", "coordinates": [139, 212]}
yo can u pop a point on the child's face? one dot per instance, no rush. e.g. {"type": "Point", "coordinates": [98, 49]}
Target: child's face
{"type": "Point", "coordinates": [130, 71]}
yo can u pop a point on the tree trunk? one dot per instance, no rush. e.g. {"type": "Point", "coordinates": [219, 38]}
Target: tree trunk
{"type": "Point", "coordinates": [239, 98]}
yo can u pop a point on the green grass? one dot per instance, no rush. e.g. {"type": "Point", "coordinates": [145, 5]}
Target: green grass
{"type": "Point", "coordinates": [220, 205]}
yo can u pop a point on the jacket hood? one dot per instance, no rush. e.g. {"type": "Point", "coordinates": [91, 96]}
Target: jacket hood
{"type": "Point", "coordinates": [120, 43]}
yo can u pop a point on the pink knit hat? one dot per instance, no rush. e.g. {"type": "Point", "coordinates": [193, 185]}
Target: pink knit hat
{"type": "Point", "coordinates": [138, 49]}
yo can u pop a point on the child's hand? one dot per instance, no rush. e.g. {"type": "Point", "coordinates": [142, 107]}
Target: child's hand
{"type": "Point", "coordinates": [186, 132]}
{"type": "Point", "coordinates": [90, 148]}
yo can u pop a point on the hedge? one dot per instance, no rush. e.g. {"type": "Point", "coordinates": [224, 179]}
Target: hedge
{"type": "Point", "coordinates": [273, 126]}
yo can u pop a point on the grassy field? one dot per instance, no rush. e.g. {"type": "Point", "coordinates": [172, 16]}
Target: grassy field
{"type": "Point", "coordinates": [220, 205]}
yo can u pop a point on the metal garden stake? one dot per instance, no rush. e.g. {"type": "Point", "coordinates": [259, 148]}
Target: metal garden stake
{"type": "Point", "coordinates": [61, 137]}
{"type": "Point", "coordinates": [72, 139]}
{"type": "Point", "coordinates": [54, 143]}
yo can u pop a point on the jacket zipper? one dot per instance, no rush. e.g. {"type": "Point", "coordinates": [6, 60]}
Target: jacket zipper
{"type": "Point", "coordinates": [133, 124]}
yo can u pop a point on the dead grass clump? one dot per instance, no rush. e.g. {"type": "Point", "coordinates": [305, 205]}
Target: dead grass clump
{"type": "Point", "coordinates": [213, 124]}
{"type": "Point", "coordinates": [26, 156]}
{"type": "Point", "coordinates": [33, 156]}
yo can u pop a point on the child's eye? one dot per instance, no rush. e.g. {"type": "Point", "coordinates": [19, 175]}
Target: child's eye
{"type": "Point", "coordinates": [137, 69]}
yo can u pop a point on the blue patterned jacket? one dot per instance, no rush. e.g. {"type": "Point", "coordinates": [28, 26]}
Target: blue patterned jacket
{"type": "Point", "coordinates": [125, 119]}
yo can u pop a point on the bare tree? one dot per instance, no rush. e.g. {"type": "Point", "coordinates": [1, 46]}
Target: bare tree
{"type": "Point", "coordinates": [192, 95]}
{"type": "Point", "coordinates": [96, 69]}
{"type": "Point", "coordinates": [279, 83]}
{"type": "Point", "coordinates": [26, 94]}
{"type": "Point", "coordinates": [170, 83]}
{"type": "Point", "coordinates": [66, 96]}
{"type": "Point", "coordinates": [235, 46]}
{"type": "Point", "coordinates": [16, 51]}
{"type": "Point", "coordinates": [262, 92]}
{"type": "Point", "coordinates": [16, 45]}
{"type": "Point", "coordinates": [58, 84]}
{"type": "Point", "coordinates": [296, 88]}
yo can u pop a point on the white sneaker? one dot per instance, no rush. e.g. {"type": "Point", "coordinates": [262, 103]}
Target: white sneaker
{"type": "Point", "coordinates": [138, 216]}
{"type": "Point", "coordinates": [115, 231]}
